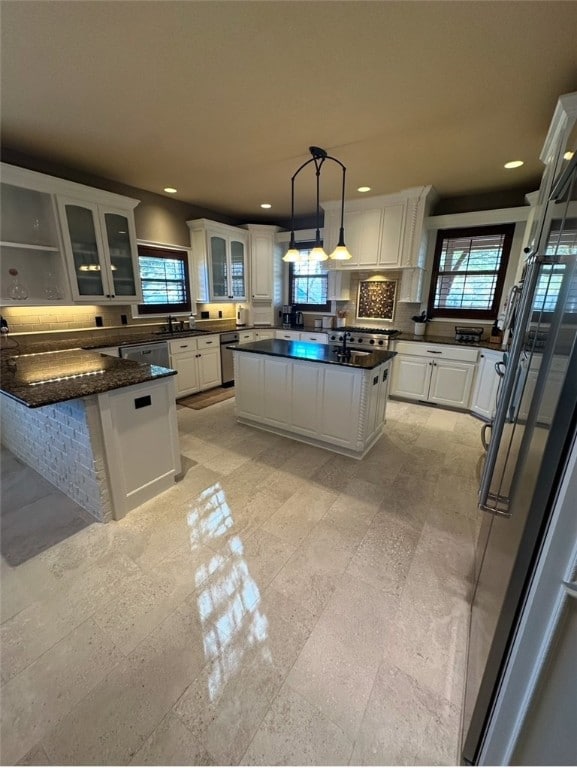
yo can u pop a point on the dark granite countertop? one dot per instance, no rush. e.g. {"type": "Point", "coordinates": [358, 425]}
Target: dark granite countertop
{"type": "Point", "coordinates": [316, 353]}
{"type": "Point", "coordinates": [53, 377]}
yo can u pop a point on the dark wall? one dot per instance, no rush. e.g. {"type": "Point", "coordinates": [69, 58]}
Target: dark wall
{"type": "Point", "coordinates": [158, 218]}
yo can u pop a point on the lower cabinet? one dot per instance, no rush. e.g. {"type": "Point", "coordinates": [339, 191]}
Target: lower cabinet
{"type": "Point", "coordinates": [288, 335]}
{"type": "Point", "coordinates": [434, 373]}
{"type": "Point", "coordinates": [197, 361]}
{"type": "Point", "coordinates": [244, 337]}
{"type": "Point", "coordinates": [486, 387]}
{"type": "Point", "coordinates": [261, 334]}
{"type": "Point", "coordinates": [319, 338]}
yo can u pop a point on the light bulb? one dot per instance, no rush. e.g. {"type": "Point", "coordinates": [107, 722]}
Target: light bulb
{"type": "Point", "coordinates": [292, 255]}
{"type": "Point", "coordinates": [341, 253]}
{"type": "Point", "coordinates": [318, 254]}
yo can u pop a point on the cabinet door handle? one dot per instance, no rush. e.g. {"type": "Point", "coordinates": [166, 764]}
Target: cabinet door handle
{"type": "Point", "coordinates": [208, 342]}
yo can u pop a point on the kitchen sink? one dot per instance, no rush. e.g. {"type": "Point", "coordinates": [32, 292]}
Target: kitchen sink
{"type": "Point", "coordinates": [177, 334]}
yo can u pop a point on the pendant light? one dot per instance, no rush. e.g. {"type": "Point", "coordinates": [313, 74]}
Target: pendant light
{"type": "Point", "coordinates": [318, 253]}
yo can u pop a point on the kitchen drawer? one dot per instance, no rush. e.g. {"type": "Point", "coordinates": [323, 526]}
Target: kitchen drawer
{"type": "Point", "coordinates": [208, 342]}
{"type": "Point", "coordinates": [182, 345]}
{"type": "Point", "coordinates": [320, 338]}
{"type": "Point", "coordinates": [437, 351]}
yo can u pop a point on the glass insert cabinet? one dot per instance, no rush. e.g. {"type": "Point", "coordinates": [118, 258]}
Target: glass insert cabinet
{"type": "Point", "coordinates": [63, 242]}
{"type": "Point", "coordinates": [220, 253]}
{"type": "Point", "coordinates": [101, 244]}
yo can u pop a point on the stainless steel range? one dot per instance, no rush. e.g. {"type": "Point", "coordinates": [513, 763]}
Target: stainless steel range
{"type": "Point", "coordinates": [364, 338]}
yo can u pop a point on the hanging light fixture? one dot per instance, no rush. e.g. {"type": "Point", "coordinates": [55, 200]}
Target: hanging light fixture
{"type": "Point", "coordinates": [318, 253]}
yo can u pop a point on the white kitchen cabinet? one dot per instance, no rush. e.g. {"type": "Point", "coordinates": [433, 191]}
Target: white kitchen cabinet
{"type": "Point", "coordinates": [209, 371]}
{"type": "Point", "coordinates": [288, 335]}
{"type": "Point", "coordinates": [434, 373]}
{"type": "Point", "coordinates": [32, 264]}
{"type": "Point", "coordinates": [484, 397]}
{"type": "Point", "coordinates": [100, 245]}
{"type": "Point", "coordinates": [411, 288]}
{"type": "Point", "coordinates": [220, 254]}
{"type": "Point", "coordinates": [261, 334]}
{"type": "Point", "coordinates": [244, 337]}
{"type": "Point", "coordinates": [385, 232]}
{"type": "Point", "coordinates": [263, 252]}
{"type": "Point", "coordinates": [197, 362]}
{"type": "Point", "coordinates": [339, 285]}
{"type": "Point", "coordinates": [320, 338]}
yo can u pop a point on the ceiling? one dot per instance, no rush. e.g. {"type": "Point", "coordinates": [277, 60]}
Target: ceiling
{"type": "Point", "coordinates": [222, 99]}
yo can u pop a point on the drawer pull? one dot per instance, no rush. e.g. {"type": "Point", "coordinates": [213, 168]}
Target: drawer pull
{"type": "Point", "coordinates": [435, 351]}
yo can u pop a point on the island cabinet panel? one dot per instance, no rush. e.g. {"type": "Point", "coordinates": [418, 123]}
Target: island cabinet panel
{"type": "Point", "coordinates": [249, 370]}
{"type": "Point", "coordinates": [341, 395]}
{"type": "Point", "coordinates": [277, 391]}
{"type": "Point", "coordinates": [306, 393]}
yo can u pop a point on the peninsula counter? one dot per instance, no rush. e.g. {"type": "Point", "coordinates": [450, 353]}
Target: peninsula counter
{"type": "Point", "coordinates": [103, 430]}
{"type": "Point", "coordinates": [310, 393]}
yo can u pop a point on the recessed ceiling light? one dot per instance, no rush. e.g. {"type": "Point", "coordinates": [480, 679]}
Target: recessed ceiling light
{"type": "Point", "coordinates": [171, 190]}
{"type": "Point", "coordinates": [568, 155]}
{"type": "Point", "coordinates": [363, 189]}
{"type": "Point", "coordinates": [265, 205]}
{"type": "Point", "coordinates": [514, 164]}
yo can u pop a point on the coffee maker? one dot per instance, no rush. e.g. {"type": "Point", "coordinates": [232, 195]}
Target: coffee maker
{"type": "Point", "coordinates": [287, 316]}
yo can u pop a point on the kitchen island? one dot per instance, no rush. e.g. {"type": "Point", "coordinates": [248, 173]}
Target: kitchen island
{"type": "Point", "coordinates": [313, 393]}
{"type": "Point", "coordinates": [101, 429]}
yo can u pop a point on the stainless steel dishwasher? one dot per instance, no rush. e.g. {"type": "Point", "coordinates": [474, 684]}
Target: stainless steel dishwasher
{"type": "Point", "coordinates": [154, 353]}
{"type": "Point", "coordinates": [226, 359]}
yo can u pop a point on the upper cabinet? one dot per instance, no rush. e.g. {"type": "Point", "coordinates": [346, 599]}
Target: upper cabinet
{"type": "Point", "coordinates": [220, 254]}
{"type": "Point", "coordinates": [63, 242]}
{"type": "Point", "coordinates": [100, 243]}
{"type": "Point", "coordinates": [263, 261]}
{"type": "Point", "coordinates": [32, 267]}
{"type": "Point", "coordinates": [382, 232]}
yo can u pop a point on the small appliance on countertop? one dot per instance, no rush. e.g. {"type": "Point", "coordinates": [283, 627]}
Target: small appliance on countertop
{"type": "Point", "coordinates": [468, 334]}
{"type": "Point", "coordinates": [241, 316]}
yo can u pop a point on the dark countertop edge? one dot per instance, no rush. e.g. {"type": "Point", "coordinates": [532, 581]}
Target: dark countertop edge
{"type": "Point", "coordinates": [367, 362]}
{"type": "Point", "coordinates": [94, 390]}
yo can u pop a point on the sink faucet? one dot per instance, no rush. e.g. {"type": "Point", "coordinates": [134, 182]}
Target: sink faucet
{"type": "Point", "coordinates": [170, 321]}
{"type": "Point", "coordinates": [343, 350]}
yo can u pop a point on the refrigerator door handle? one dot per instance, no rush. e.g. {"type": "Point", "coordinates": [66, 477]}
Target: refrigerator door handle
{"type": "Point", "coordinates": [484, 440]}
{"type": "Point", "coordinates": [570, 588]}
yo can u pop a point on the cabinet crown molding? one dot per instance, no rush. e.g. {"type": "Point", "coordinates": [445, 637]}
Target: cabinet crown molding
{"type": "Point", "coordinates": [381, 201]}
{"type": "Point", "coordinates": [42, 182]}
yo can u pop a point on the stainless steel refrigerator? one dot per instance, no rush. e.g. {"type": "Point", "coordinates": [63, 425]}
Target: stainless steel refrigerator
{"type": "Point", "coordinates": [530, 442]}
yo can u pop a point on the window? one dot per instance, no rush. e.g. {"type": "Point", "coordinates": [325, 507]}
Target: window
{"type": "Point", "coordinates": [562, 242]}
{"type": "Point", "coordinates": [164, 277]}
{"type": "Point", "coordinates": [469, 271]}
{"type": "Point", "coordinates": [308, 283]}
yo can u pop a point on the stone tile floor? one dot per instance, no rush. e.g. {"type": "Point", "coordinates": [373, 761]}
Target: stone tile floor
{"type": "Point", "coordinates": [280, 605]}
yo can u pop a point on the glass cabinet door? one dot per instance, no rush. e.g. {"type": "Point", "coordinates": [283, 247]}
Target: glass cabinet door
{"type": "Point", "coordinates": [218, 265]}
{"type": "Point", "coordinates": [237, 269]}
{"type": "Point", "coordinates": [121, 254]}
{"type": "Point", "coordinates": [81, 224]}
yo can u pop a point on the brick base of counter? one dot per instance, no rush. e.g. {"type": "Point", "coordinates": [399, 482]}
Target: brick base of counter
{"type": "Point", "coordinates": [63, 443]}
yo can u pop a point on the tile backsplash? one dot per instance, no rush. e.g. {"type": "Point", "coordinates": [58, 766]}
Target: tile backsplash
{"type": "Point", "coordinates": [76, 317]}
